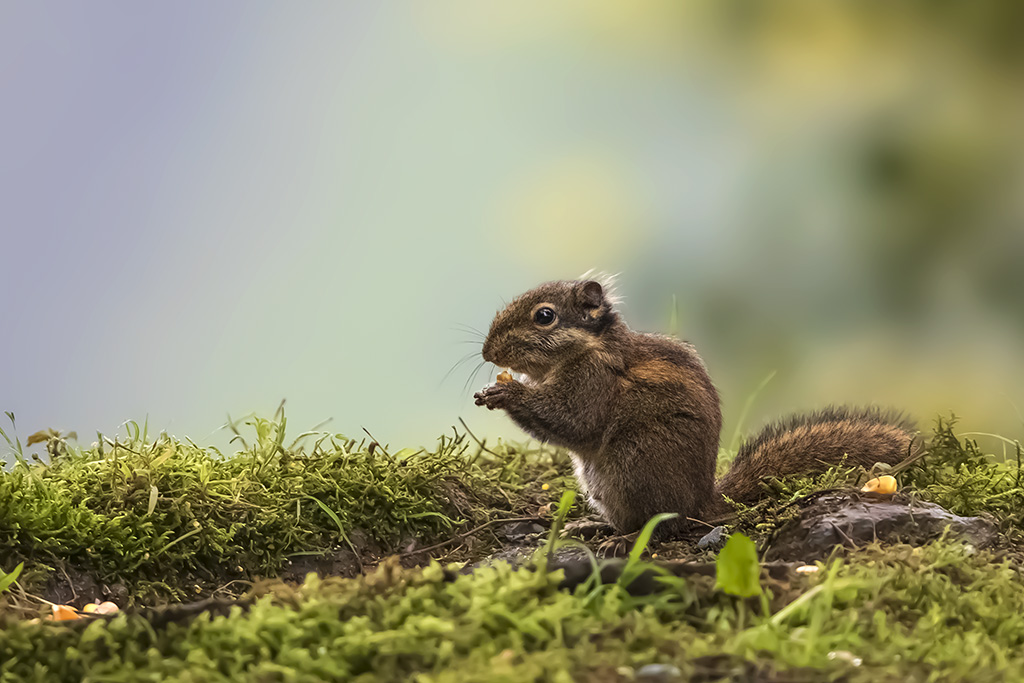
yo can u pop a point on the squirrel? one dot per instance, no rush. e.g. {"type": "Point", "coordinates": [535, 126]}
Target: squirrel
{"type": "Point", "coordinates": [642, 418]}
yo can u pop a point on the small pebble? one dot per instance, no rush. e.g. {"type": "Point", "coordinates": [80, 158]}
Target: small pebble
{"type": "Point", "coordinates": [845, 656]}
{"type": "Point", "coordinates": [101, 608]}
{"type": "Point", "coordinates": [713, 540]}
{"type": "Point", "coordinates": [659, 673]}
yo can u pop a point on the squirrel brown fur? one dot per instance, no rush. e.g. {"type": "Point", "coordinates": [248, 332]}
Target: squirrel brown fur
{"type": "Point", "coordinates": [641, 417]}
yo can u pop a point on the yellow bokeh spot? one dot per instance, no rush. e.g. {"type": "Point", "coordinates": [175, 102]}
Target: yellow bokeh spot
{"type": "Point", "coordinates": [577, 211]}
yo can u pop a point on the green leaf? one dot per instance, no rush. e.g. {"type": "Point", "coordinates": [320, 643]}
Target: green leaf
{"type": "Point", "coordinates": [737, 569]}
{"type": "Point", "coordinates": [7, 579]}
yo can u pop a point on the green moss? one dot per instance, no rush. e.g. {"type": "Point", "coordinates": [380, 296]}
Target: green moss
{"type": "Point", "coordinates": [942, 612]}
{"type": "Point", "coordinates": [956, 474]}
{"type": "Point", "coordinates": [170, 516]}
{"type": "Point", "coordinates": [895, 613]}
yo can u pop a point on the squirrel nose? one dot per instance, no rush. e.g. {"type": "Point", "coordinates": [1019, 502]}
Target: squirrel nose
{"type": "Point", "coordinates": [487, 350]}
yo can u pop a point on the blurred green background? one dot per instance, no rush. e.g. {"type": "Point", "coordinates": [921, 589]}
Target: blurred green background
{"type": "Point", "coordinates": [207, 208]}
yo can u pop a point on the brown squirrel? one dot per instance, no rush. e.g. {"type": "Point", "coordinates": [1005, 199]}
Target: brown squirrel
{"type": "Point", "coordinates": [641, 417]}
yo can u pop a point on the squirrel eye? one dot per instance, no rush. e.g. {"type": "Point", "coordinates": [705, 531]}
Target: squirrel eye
{"type": "Point", "coordinates": [544, 316]}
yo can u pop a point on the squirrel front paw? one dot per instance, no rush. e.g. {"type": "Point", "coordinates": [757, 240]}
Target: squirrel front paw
{"type": "Point", "coordinates": [499, 395]}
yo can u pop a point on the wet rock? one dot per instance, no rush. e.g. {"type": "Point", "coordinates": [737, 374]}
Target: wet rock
{"type": "Point", "coordinates": [517, 556]}
{"type": "Point", "coordinates": [116, 593]}
{"type": "Point", "coordinates": [71, 585]}
{"type": "Point", "coordinates": [517, 532]}
{"type": "Point", "coordinates": [514, 555]}
{"type": "Point", "coordinates": [857, 519]}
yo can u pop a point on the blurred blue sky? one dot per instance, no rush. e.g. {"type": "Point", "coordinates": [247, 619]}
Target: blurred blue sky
{"type": "Point", "coordinates": [207, 208]}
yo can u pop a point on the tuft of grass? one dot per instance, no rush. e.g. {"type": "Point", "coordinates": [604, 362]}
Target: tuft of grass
{"type": "Point", "coordinates": [957, 475]}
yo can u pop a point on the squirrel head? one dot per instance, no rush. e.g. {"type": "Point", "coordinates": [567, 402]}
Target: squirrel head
{"type": "Point", "coordinates": [546, 325]}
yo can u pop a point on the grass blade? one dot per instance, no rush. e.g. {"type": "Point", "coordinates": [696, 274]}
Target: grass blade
{"type": "Point", "coordinates": [7, 579]}
{"type": "Point", "coordinates": [633, 564]}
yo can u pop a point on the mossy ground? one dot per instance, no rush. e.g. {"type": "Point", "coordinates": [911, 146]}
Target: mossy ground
{"type": "Point", "coordinates": [164, 521]}
{"type": "Point", "coordinates": [169, 521]}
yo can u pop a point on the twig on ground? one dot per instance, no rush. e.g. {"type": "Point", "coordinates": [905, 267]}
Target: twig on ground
{"type": "Point", "coordinates": [478, 441]}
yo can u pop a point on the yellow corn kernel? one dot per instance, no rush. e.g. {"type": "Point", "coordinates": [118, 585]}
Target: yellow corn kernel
{"type": "Point", "coordinates": [63, 613]}
{"type": "Point", "coordinates": [883, 484]}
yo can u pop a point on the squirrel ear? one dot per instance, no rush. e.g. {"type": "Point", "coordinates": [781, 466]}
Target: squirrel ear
{"type": "Point", "coordinates": [592, 294]}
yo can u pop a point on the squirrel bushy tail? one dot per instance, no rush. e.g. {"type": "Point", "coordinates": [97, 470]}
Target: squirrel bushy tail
{"type": "Point", "coordinates": [813, 442]}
